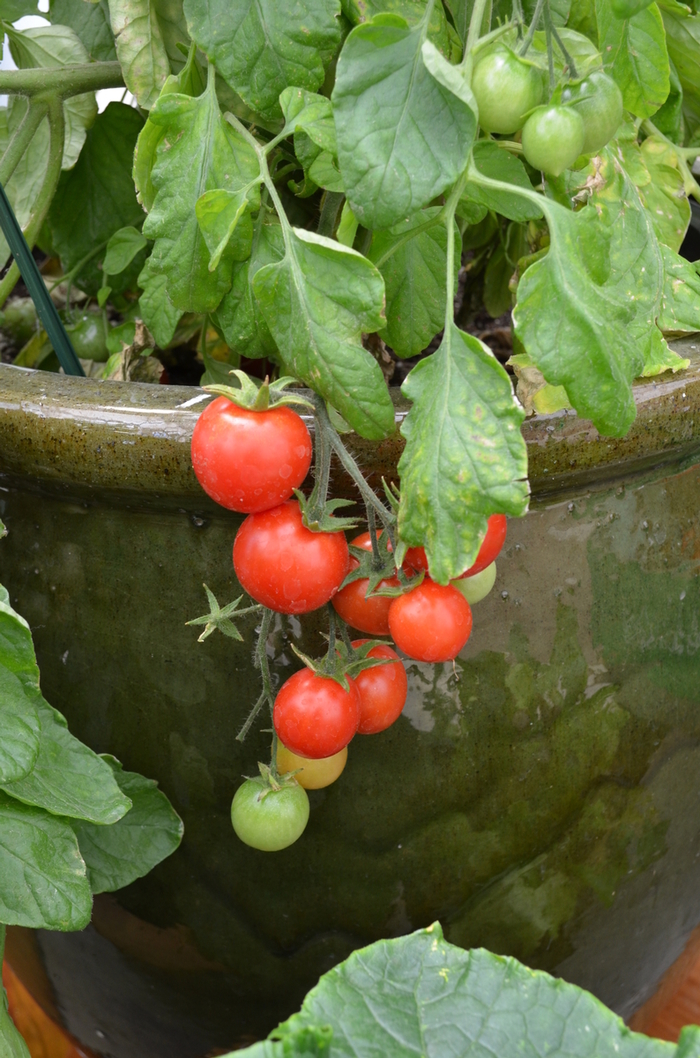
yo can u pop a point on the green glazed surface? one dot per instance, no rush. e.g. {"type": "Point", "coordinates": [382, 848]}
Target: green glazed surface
{"type": "Point", "coordinates": [542, 800]}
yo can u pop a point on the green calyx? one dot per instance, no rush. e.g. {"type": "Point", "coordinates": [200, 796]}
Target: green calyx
{"type": "Point", "coordinates": [271, 782]}
{"type": "Point", "coordinates": [256, 396]}
{"type": "Point", "coordinates": [343, 660]}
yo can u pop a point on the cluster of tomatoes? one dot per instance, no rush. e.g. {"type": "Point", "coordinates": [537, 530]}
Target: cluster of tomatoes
{"type": "Point", "coordinates": [579, 118]}
{"type": "Point", "coordinates": [251, 461]}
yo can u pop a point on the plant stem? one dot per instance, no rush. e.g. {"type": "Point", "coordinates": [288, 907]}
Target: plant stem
{"type": "Point", "coordinates": [322, 471]}
{"type": "Point", "coordinates": [568, 59]}
{"type": "Point", "coordinates": [77, 269]}
{"type": "Point", "coordinates": [71, 80]}
{"type": "Point", "coordinates": [531, 31]}
{"type": "Point", "coordinates": [550, 48]}
{"type": "Point", "coordinates": [331, 631]}
{"type": "Point", "coordinates": [332, 201]}
{"type": "Point", "coordinates": [475, 26]}
{"type": "Point", "coordinates": [372, 526]}
{"type": "Point", "coordinates": [21, 139]}
{"type": "Point", "coordinates": [260, 662]}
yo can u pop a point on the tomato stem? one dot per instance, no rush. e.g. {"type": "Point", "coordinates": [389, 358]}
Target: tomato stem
{"type": "Point", "coordinates": [531, 31]}
{"type": "Point", "coordinates": [550, 48]}
{"type": "Point", "coordinates": [332, 202]}
{"type": "Point", "coordinates": [475, 26]}
{"type": "Point", "coordinates": [331, 632]}
{"type": "Point", "coordinates": [568, 58]}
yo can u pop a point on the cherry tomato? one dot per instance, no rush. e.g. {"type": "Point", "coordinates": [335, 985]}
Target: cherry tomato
{"type": "Point", "coordinates": [314, 716]}
{"type": "Point", "coordinates": [267, 819]}
{"type": "Point", "coordinates": [505, 87]}
{"type": "Point", "coordinates": [491, 547]}
{"type": "Point", "coordinates": [478, 586]}
{"type": "Point", "coordinates": [553, 138]}
{"type": "Point", "coordinates": [430, 623]}
{"type": "Point", "coordinates": [382, 690]}
{"type": "Point", "coordinates": [311, 774]}
{"type": "Point", "coordinates": [368, 615]}
{"type": "Point", "coordinates": [250, 461]}
{"type": "Point", "coordinates": [285, 566]}
{"type": "Point", "coordinates": [599, 102]}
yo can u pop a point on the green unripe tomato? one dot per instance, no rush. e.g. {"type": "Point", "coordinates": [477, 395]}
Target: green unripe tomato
{"type": "Point", "coordinates": [505, 87]}
{"type": "Point", "coordinates": [599, 102]}
{"type": "Point", "coordinates": [87, 335]}
{"type": "Point", "coordinates": [268, 819]}
{"type": "Point", "coordinates": [628, 8]}
{"type": "Point", "coordinates": [553, 138]}
{"type": "Point", "coordinates": [478, 586]}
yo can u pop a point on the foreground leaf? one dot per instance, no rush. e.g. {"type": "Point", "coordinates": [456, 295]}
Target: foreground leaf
{"type": "Point", "coordinates": [12, 1044]}
{"type": "Point", "coordinates": [44, 880]}
{"type": "Point", "coordinates": [465, 457]}
{"type": "Point", "coordinates": [414, 276]}
{"type": "Point", "coordinates": [405, 121]}
{"type": "Point", "coordinates": [67, 778]}
{"type": "Point", "coordinates": [636, 56]}
{"type": "Point", "coordinates": [317, 301]}
{"type": "Point", "coordinates": [239, 316]}
{"type": "Point", "coordinates": [117, 855]}
{"type": "Point", "coordinates": [201, 152]}
{"type": "Point", "coordinates": [262, 47]}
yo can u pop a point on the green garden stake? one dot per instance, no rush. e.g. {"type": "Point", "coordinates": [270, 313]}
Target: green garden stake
{"type": "Point", "coordinates": [45, 307]}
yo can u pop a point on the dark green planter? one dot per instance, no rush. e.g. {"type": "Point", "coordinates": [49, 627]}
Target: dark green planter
{"type": "Point", "coordinates": [546, 804]}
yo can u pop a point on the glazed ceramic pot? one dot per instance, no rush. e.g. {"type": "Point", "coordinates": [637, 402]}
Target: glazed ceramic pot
{"type": "Point", "coordinates": [542, 799]}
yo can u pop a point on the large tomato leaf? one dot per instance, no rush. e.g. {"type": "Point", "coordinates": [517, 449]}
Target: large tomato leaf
{"type": "Point", "coordinates": [440, 32]}
{"type": "Point", "coordinates": [44, 880]}
{"type": "Point", "coordinates": [67, 778]}
{"type": "Point", "coordinates": [117, 855]}
{"type": "Point", "coordinates": [90, 22]}
{"type": "Point", "coordinates": [465, 456]}
{"type": "Point", "coordinates": [200, 152]}
{"type": "Point", "coordinates": [683, 42]}
{"type": "Point", "coordinates": [146, 33]}
{"type": "Point", "coordinates": [405, 120]}
{"type": "Point", "coordinates": [317, 301]}
{"type": "Point", "coordinates": [155, 307]}
{"type": "Point", "coordinates": [680, 304]}
{"type": "Point", "coordinates": [19, 690]}
{"type": "Point", "coordinates": [414, 273]}
{"type": "Point", "coordinates": [498, 164]}
{"type": "Point", "coordinates": [260, 47]}
{"type": "Point", "coordinates": [96, 198]}
{"type": "Point", "coordinates": [635, 54]}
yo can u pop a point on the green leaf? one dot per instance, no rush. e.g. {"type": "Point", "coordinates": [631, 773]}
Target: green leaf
{"type": "Point", "coordinates": [202, 152]}
{"type": "Point", "coordinates": [19, 726]}
{"type": "Point", "coordinates": [238, 316]}
{"type": "Point", "coordinates": [140, 48]}
{"type": "Point", "coordinates": [67, 778]}
{"type": "Point", "coordinates": [669, 119]}
{"type": "Point", "coordinates": [419, 995]}
{"type": "Point", "coordinates": [44, 881]}
{"type": "Point", "coordinates": [157, 310]}
{"type": "Point", "coordinates": [12, 10]}
{"type": "Point", "coordinates": [680, 305]}
{"type": "Point", "coordinates": [218, 215]}
{"type": "Point", "coordinates": [683, 42]}
{"type": "Point", "coordinates": [51, 46]}
{"type": "Point", "coordinates": [260, 47]}
{"type": "Point", "coordinates": [317, 301]}
{"type": "Point", "coordinates": [122, 248]}
{"type": "Point", "coordinates": [12, 1044]}
{"type": "Point", "coordinates": [25, 183]}
{"type": "Point", "coordinates": [216, 372]}
{"type": "Point", "coordinates": [90, 22]}
{"type": "Point", "coordinates": [117, 855]}
{"type": "Point", "coordinates": [498, 164]}
{"type": "Point", "coordinates": [440, 31]}
{"type": "Point", "coordinates": [636, 56]}
{"type": "Point", "coordinates": [405, 121]}
{"type": "Point", "coordinates": [96, 198]}
{"type": "Point", "coordinates": [102, 296]}
{"type": "Point", "coordinates": [664, 194]}
{"type": "Point", "coordinates": [414, 276]}
{"type": "Point", "coordinates": [500, 268]}
{"type": "Point", "coordinates": [465, 457]}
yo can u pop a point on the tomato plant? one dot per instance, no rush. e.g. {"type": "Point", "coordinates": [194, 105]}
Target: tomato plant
{"type": "Point", "coordinates": [285, 566]}
{"type": "Point", "coordinates": [269, 819]}
{"type": "Point", "coordinates": [250, 460]}
{"type": "Point", "coordinates": [553, 138]}
{"type": "Point", "coordinates": [506, 88]}
{"type": "Point", "coordinates": [315, 716]}
{"type": "Point", "coordinates": [599, 102]}
{"type": "Point", "coordinates": [382, 690]}
{"type": "Point", "coordinates": [431, 623]}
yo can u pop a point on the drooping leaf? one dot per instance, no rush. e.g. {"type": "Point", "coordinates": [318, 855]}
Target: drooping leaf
{"type": "Point", "coordinates": [683, 42]}
{"type": "Point", "coordinates": [465, 457]}
{"type": "Point", "coordinates": [122, 249]}
{"type": "Point", "coordinates": [156, 309]}
{"type": "Point", "coordinates": [238, 316]}
{"type": "Point", "coordinates": [140, 48]}
{"type": "Point", "coordinates": [51, 46]}
{"type": "Point", "coordinates": [96, 197]}
{"type": "Point", "coordinates": [496, 163]}
{"type": "Point", "coordinates": [260, 48]}
{"type": "Point", "coordinates": [317, 301]}
{"type": "Point", "coordinates": [90, 22]}
{"type": "Point", "coordinates": [67, 778]}
{"type": "Point", "coordinates": [635, 54]}
{"type": "Point", "coordinates": [680, 305]}
{"type": "Point", "coordinates": [440, 32]}
{"type": "Point", "coordinates": [117, 855]}
{"type": "Point", "coordinates": [44, 880]}
{"type": "Point", "coordinates": [669, 119]}
{"type": "Point", "coordinates": [201, 152]}
{"type": "Point", "coordinates": [414, 277]}
{"type": "Point", "coordinates": [664, 195]}
{"type": "Point", "coordinates": [405, 121]}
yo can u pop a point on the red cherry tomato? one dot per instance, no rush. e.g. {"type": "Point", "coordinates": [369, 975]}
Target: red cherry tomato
{"type": "Point", "coordinates": [250, 461]}
{"type": "Point", "coordinates": [368, 615]}
{"type": "Point", "coordinates": [285, 566]}
{"type": "Point", "coordinates": [314, 716]}
{"type": "Point", "coordinates": [490, 549]}
{"type": "Point", "coordinates": [430, 623]}
{"type": "Point", "coordinates": [382, 690]}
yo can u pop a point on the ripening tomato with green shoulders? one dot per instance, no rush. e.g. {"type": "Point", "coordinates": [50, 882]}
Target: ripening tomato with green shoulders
{"type": "Point", "coordinates": [431, 622]}
{"type": "Point", "coordinates": [248, 460]}
{"type": "Point", "coordinates": [267, 819]}
{"type": "Point", "coordinates": [285, 566]}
